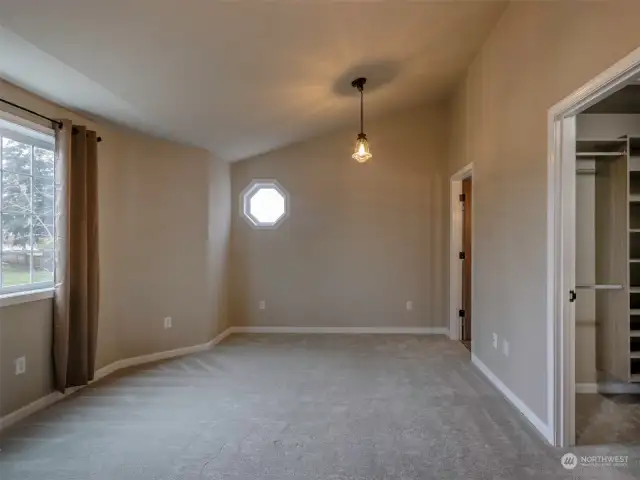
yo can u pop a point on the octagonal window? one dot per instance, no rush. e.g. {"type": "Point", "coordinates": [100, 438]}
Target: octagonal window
{"type": "Point", "coordinates": [264, 203]}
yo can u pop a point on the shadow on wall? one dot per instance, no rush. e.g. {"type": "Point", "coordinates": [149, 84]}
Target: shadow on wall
{"type": "Point", "coordinates": [378, 74]}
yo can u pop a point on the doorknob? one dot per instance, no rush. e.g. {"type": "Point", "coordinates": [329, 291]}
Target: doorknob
{"type": "Point", "coordinates": [572, 296]}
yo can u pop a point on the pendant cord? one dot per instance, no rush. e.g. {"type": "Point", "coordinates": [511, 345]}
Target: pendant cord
{"type": "Point", "coordinates": [361, 111]}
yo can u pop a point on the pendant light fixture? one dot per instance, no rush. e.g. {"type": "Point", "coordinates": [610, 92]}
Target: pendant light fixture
{"type": "Point", "coordinates": [361, 153]}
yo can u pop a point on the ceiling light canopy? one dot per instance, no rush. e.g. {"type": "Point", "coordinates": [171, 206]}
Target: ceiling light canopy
{"type": "Point", "coordinates": [361, 153]}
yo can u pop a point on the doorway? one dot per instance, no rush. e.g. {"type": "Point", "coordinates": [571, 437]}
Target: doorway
{"type": "Point", "coordinates": [590, 277]}
{"type": "Point", "coordinates": [465, 257]}
{"type": "Point", "coordinates": [460, 263]}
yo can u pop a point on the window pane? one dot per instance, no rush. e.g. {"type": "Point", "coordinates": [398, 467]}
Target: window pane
{"type": "Point", "coordinates": [16, 156]}
{"type": "Point", "coordinates": [16, 232]}
{"type": "Point", "coordinates": [267, 205]}
{"type": "Point", "coordinates": [15, 268]}
{"type": "Point", "coordinates": [43, 162]}
{"type": "Point", "coordinates": [42, 235]}
{"type": "Point", "coordinates": [42, 266]}
{"type": "Point", "coordinates": [43, 191]}
{"type": "Point", "coordinates": [16, 193]}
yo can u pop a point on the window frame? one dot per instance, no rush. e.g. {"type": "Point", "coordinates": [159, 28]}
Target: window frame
{"type": "Point", "coordinates": [253, 188]}
{"type": "Point", "coordinates": [38, 136]}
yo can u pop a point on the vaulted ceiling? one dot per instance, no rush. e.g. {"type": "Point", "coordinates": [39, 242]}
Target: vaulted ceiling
{"type": "Point", "coordinates": [239, 77]}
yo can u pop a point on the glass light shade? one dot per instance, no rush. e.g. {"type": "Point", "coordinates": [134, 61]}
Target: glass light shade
{"type": "Point", "coordinates": [361, 153]}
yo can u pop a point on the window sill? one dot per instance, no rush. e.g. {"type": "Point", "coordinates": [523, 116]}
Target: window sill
{"type": "Point", "coordinates": [25, 297]}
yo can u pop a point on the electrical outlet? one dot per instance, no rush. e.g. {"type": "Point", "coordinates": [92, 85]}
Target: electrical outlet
{"type": "Point", "coordinates": [409, 305]}
{"type": "Point", "coordinates": [167, 322]}
{"type": "Point", "coordinates": [262, 305]}
{"type": "Point", "coordinates": [495, 341]}
{"type": "Point", "coordinates": [21, 365]}
{"type": "Point", "coordinates": [505, 348]}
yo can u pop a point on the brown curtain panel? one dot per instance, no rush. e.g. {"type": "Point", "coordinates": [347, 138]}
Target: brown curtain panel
{"type": "Point", "coordinates": [76, 302]}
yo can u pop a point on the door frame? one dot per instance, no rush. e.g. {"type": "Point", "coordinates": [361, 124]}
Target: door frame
{"type": "Point", "coordinates": [455, 246]}
{"type": "Point", "coordinates": [561, 165]}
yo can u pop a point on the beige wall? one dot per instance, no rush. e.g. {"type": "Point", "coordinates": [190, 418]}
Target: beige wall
{"type": "Point", "coordinates": [174, 224]}
{"type": "Point", "coordinates": [360, 241]}
{"type": "Point", "coordinates": [25, 330]}
{"type": "Point", "coordinates": [538, 53]}
{"type": "Point", "coordinates": [164, 212]}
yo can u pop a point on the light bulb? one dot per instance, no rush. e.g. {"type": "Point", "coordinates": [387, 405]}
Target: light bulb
{"type": "Point", "coordinates": [361, 153]}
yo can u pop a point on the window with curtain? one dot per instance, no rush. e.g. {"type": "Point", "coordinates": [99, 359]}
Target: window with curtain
{"type": "Point", "coordinates": [27, 207]}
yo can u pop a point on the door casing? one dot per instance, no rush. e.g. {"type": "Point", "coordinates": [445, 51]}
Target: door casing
{"type": "Point", "coordinates": [561, 166]}
{"type": "Point", "coordinates": [455, 247]}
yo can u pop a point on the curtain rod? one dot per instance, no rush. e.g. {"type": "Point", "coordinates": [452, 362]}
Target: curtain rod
{"type": "Point", "coordinates": [24, 109]}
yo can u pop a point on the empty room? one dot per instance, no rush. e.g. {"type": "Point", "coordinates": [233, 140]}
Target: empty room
{"type": "Point", "coordinates": [319, 240]}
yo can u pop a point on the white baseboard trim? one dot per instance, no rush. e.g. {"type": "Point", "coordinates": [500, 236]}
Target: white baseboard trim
{"type": "Point", "coordinates": [346, 330]}
{"type": "Point", "coordinates": [617, 388]}
{"type": "Point", "coordinates": [539, 425]}
{"type": "Point", "coordinates": [154, 357]}
{"type": "Point", "coordinates": [54, 397]}
{"type": "Point", "coordinates": [586, 388]}
{"type": "Point", "coordinates": [30, 409]}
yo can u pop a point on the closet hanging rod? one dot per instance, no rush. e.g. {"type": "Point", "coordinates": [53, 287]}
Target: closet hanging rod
{"type": "Point", "coordinates": [600, 286]}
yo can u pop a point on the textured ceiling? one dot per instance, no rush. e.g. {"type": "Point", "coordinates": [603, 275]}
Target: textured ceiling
{"type": "Point", "coordinates": [239, 77]}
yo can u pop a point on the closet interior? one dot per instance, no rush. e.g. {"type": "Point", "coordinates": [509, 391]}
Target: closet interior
{"type": "Point", "coordinates": [608, 270]}
{"type": "Point", "coordinates": [612, 287]}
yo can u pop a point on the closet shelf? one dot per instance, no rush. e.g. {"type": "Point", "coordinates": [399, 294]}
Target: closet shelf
{"type": "Point", "coordinates": [635, 355]}
{"type": "Point", "coordinates": [600, 144]}
{"type": "Point", "coordinates": [599, 154]}
{"type": "Point", "coordinates": [635, 378]}
{"type": "Point", "coordinates": [634, 333]}
{"type": "Point", "coordinates": [634, 311]}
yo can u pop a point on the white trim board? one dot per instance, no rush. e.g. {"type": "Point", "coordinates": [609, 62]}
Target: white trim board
{"type": "Point", "coordinates": [345, 330]}
{"type": "Point", "coordinates": [16, 298]}
{"type": "Point", "coordinates": [586, 388]}
{"type": "Point", "coordinates": [539, 425]}
{"type": "Point", "coordinates": [55, 397]}
{"type": "Point", "coordinates": [154, 357]}
{"type": "Point", "coordinates": [612, 388]}
{"type": "Point", "coordinates": [617, 388]}
{"type": "Point", "coordinates": [34, 407]}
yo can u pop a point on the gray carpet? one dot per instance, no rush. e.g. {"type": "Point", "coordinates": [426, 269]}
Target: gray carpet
{"type": "Point", "coordinates": [607, 419]}
{"type": "Point", "coordinates": [298, 407]}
